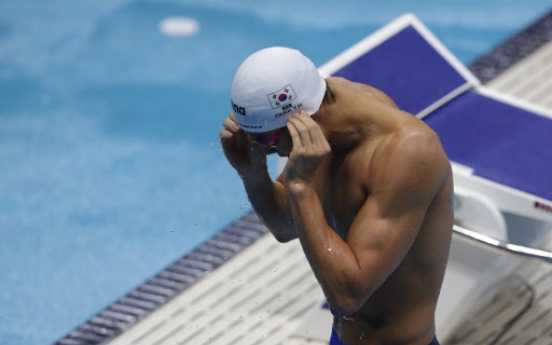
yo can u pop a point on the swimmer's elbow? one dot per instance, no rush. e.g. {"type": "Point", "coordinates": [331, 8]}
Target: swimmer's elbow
{"type": "Point", "coordinates": [284, 236]}
{"type": "Point", "coordinates": [343, 305]}
{"type": "Point", "coordinates": [283, 233]}
{"type": "Point", "coordinates": [348, 299]}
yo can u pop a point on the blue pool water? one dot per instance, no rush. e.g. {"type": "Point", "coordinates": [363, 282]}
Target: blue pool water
{"type": "Point", "coordinates": [110, 162]}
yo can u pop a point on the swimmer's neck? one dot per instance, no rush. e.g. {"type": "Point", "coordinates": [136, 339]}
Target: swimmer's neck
{"type": "Point", "coordinates": [355, 118]}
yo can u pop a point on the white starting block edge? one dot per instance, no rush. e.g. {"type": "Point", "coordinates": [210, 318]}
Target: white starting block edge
{"type": "Point", "coordinates": [391, 29]}
{"type": "Point", "coordinates": [506, 199]}
{"type": "Point", "coordinates": [383, 34]}
{"type": "Point", "coordinates": [514, 101]}
{"type": "Point", "coordinates": [477, 212]}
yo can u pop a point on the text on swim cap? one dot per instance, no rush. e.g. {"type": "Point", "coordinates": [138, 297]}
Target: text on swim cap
{"type": "Point", "coordinates": [290, 108]}
{"type": "Point", "coordinates": [238, 109]}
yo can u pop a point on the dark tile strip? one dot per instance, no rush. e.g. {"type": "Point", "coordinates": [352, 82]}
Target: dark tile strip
{"type": "Point", "coordinates": [516, 48]}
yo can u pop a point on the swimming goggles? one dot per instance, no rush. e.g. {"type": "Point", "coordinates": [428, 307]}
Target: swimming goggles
{"type": "Point", "coordinates": [270, 142]}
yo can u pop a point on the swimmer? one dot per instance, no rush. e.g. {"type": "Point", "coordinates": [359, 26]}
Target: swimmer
{"type": "Point", "coordinates": [367, 189]}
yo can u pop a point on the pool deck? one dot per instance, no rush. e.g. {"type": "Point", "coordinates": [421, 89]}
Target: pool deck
{"type": "Point", "coordinates": [222, 274]}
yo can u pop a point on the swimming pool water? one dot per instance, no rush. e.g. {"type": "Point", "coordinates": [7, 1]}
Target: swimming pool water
{"type": "Point", "coordinates": [110, 162]}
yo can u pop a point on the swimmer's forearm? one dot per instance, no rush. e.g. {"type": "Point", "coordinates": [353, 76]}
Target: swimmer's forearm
{"type": "Point", "coordinates": [332, 260]}
{"type": "Point", "coordinates": [270, 201]}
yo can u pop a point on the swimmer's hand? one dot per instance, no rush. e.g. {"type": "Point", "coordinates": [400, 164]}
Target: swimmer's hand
{"type": "Point", "coordinates": [246, 157]}
{"type": "Point", "coordinates": [310, 148]}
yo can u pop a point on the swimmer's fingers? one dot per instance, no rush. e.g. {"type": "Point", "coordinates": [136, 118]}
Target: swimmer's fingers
{"type": "Point", "coordinates": [303, 131]}
{"type": "Point", "coordinates": [230, 124]}
{"type": "Point", "coordinates": [295, 137]}
{"type": "Point", "coordinates": [226, 137]}
{"type": "Point", "coordinates": [232, 135]}
{"type": "Point", "coordinates": [233, 117]}
{"type": "Point", "coordinates": [308, 152]}
{"type": "Point", "coordinates": [239, 150]}
{"type": "Point", "coordinates": [311, 134]}
{"type": "Point", "coordinates": [316, 135]}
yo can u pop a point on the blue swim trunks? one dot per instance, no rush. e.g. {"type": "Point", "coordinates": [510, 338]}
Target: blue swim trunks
{"type": "Point", "coordinates": [335, 340]}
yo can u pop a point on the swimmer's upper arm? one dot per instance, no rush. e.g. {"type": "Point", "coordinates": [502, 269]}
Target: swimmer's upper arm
{"type": "Point", "coordinates": [408, 178]}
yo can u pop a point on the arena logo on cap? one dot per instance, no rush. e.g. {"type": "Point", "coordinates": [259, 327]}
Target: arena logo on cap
{"type": "Point", "coordinates": [237, 109]}
{"type": "Point", "coordinates": [282, 97]}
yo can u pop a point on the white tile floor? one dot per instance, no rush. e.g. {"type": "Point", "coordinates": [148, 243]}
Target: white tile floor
{"type": "Point", "coordinates": [260, 296]}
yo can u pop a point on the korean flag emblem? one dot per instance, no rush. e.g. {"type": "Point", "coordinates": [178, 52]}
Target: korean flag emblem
{"type": "Point", "coordinates": [282, 97]}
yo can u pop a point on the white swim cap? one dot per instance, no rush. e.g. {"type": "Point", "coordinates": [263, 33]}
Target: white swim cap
{"type": "Point", "coordinates": [271, 85]}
